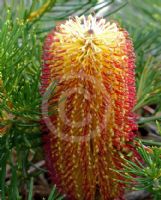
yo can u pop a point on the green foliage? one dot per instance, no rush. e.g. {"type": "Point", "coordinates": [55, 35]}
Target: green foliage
{"type": "Point", "coordinates": [149, 84]}
{"type": "Point", "coordinates": [159, 127]}
{"type": "Point", "coordinates": [144, 174]}
{"type": "Point", "coordinates": [54, 196]}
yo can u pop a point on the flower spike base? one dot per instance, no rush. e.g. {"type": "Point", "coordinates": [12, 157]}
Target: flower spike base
{"type": "Point", "coordinates": [92, 62]}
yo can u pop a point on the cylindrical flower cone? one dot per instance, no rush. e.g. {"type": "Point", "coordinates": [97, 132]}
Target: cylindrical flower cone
{"type": "Point", "coordinates": [88, 120]}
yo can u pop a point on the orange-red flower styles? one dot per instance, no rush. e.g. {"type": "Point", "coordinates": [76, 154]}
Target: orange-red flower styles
{"type": "Point", "coordinates": [88, 118]}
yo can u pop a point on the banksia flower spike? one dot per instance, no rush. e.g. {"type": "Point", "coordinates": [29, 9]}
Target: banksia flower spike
{"type": "Point", "coordinates": [92, 62]}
